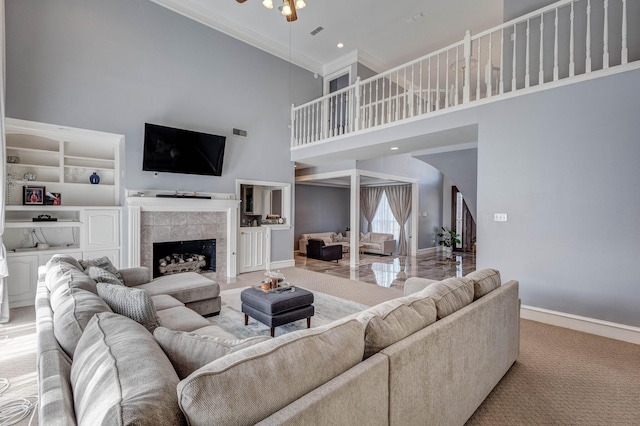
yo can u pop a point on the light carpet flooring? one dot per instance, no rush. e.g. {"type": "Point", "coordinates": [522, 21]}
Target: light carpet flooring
{"type": "Point", "coordinates": [562, 377]}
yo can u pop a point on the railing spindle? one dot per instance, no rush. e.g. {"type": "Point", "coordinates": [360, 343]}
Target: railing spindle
{"type": "Point", "coordinates": [605, 52]}
{"type": "Point", "coordinates": [489, 67]}
{"type": "Point", "coordinates": [438, 82]}
{"type": "Point", "coordinates": [466, 87]}
{"type": "Point", "coordinates": [455, 99]}
{"type": "Point", "coordinates": [572, 66]}
{"type": "Point", "coordinates": [588, 42]}
{"type": "Point", "coordinates": [625, 53]}
{"type": "Point", "coordinates": [541, 68]}
{"type": "Point", "coordinates": [502, 61]}
{"type": "Point", "coordinates": [555, 50]}
{"type": "Point", "coordinates": [478, 71]}
{"type": "Point", "coordinates": [513, 65]}
{"type": "Point", "coordinates": [526, 54]}
{"type": "Point", "coordinates": [420, 91]}
{"type": "Point", "coordinates": [446, 82]}
{"type": "Point", "coordinates": [429, 106]}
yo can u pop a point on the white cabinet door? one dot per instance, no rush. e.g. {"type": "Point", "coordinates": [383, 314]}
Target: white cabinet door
{"type": "Point", "coordinates": [22, 280]}
{"type": "Point", "coordinates": [102, 229]}
{"type": "Point", "coordinates": [253, 249]}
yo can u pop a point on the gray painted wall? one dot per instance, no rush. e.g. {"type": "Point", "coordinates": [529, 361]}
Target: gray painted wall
{"type": "Point", "coordinates": [114, 65]}
{"type": "Point", "coordinates": [462, 168]}
{"type": "Point", "coordinates": [430, 191]}
{"type": "Point", "coordinates": [563, 164]}
{"type": "Point", "coordinates": [321, 209]}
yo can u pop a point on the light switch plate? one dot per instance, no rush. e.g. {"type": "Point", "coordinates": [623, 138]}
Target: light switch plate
{"type": "Point", "coordinates": [499, 217]}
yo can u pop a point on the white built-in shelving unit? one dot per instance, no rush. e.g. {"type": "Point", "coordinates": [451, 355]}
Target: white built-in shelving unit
{"type": "Point", "coordinates": [88, 221]}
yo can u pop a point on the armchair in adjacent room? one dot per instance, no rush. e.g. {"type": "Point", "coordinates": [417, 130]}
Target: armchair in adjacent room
{"type": "Point", "coordinates": [316, 249]}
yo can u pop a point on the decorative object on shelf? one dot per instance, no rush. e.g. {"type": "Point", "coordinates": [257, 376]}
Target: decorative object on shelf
{"type": "Point", "coordinates": [94, 178]}
{"type": "Point", "coordinates": [12, 181]}
{"type": "Point", "coordinates": [33, 195]}
{"type": "Point", "coordinates": [72, 174]}
{"type": "Point", "coordinates": [288, 8]}
{"type": "Point", "coordinates": [53, 199]}
{"type": "Point", "coordinates": [45, 218]}
{"type": "Point", "coordinates": [29, 176]}
{"type": "Point", "coordinates": [13, 159]}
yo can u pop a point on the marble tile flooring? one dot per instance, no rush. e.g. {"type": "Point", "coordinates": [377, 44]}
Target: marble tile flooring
{"type": "Point", "coordinates": [393, 271]}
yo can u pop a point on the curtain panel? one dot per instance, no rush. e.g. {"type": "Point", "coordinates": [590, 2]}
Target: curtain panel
{"type": "Point", "coordinates": [369, 200]}
{"type": "Point", "coordinates": [399, 198]}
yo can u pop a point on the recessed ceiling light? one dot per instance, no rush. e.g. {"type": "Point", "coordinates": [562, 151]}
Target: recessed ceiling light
{"type": "Point", "coordinates": [394, 148]}
{"type": "Point", "coordinates": [340, 45]}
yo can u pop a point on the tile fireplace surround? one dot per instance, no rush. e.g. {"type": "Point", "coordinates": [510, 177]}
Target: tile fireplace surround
{"type": "Point", "coordinates": [156, 220]}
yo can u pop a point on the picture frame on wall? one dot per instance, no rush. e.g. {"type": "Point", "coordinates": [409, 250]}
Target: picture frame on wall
{"type": "Point", "coordinates": [52, 199]}
{"type": "Point", "coordinates": [33, 195]}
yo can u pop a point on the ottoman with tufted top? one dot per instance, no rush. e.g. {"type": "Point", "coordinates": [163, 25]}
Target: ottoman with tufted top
{"type": "Point", "coordinates": [277, 307]}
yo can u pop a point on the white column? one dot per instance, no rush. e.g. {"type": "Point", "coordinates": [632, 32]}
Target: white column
{"type": "Point", "coordinates": [133, 216]}
{"type": "Point", "coordinates": [415, 217]}
{"type": "Point", "coordinates": [354, 242]}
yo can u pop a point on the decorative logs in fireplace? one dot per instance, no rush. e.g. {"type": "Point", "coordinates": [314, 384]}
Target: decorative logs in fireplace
{"type": "Point", "coordinates": [181, 262]}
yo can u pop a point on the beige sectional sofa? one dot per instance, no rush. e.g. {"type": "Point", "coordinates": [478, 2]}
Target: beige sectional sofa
{"type": "Point", "coordinates": [373, 242]}
{"type": "Point", "coordinates": [429, 357]}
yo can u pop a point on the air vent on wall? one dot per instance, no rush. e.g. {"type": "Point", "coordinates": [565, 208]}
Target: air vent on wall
{"type": "Point", "coordinates": [316, 31]}
{"type": "Point", "coordinates": [240, 132]}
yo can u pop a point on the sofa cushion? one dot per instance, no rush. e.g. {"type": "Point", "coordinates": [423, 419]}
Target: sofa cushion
{"type": "Point", "coordinates": [392, 321]}
{"type": "Point", "coordinates": [181, 318]}
{"type": "Point", "coordinates": [164, 301]}
{"type": "Point", "coordinates": [450, 295]}
{"type": "Point", "coordinates": [189, 351]}
{"type": "Point", "coordinates": [379, 238]}
{"type": "Point", "coordinates": [130, 302]}
{"type": "Point", "coordinates": [246, 386]}
{"type": "Point", "coordinates": [72, 314]}
{"type": "Point", "coordinates": [70, 279]}
{"type": "Point", "coordinates": [186, 287]}
{"type": "Point", "coordinates": [114, 385]}
{"type": "Point", "coordinates": [102, 275]}
{"type": "Point", "coordinates": [104, 263]}
{"type": "Point", "coordinates": [484, 281]}
{"type": "Point", "coordinates": [58, 258]}
{"type": "Point", "coordinates": [55, 273]}
{"type": "Point", "coordinates": [215, 331]}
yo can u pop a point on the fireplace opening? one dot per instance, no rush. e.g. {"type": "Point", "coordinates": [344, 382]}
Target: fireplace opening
{"type": "Point", "coordinates": [174, 257]}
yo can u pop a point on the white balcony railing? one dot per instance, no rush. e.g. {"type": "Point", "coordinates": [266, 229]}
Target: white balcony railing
{"type": "Point", "coordinates": [560, 41]}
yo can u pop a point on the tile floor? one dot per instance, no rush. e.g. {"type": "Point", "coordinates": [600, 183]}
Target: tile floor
{"type": "Point", "coordinates": [393, 271]}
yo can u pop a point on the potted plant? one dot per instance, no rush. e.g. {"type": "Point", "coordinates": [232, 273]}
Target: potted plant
{"type": "Point", "coordinates": [448, 239]}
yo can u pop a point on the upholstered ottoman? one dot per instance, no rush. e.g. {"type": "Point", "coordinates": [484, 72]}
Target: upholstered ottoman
{"type": "Point", "coordinates": [277, 308]}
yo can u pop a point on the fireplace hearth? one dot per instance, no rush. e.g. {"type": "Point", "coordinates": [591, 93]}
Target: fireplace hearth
{"type": "Point", "coordinates": [184, 256]}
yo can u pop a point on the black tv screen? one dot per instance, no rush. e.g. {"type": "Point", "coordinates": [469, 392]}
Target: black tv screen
{"type": "Point", "coordinates": [167, 149]}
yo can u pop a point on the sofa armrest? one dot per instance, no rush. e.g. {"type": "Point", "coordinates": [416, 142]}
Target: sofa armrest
{"type": "Point", "coordinates": [388, 246]}
{"type": "Point", "coordinates": [416, 284]}
{"type": "Point", "coordinates": [135, 276]}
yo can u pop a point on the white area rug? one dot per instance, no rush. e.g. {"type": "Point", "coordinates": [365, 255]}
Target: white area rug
{"type": "Point", "coordinates": [327, 309]}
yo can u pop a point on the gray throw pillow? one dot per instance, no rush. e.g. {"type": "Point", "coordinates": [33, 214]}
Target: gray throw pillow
{"type": "Point", "coordinates": [104, 263]}
{"type": "Point", "coordinates": [130, 302]}
{"type": "Point", "coordinates": [120, 376]}
{"type": "Point", "coordinates": [189, 351]}
{"type": "Point", "coordinates": [100, 275]}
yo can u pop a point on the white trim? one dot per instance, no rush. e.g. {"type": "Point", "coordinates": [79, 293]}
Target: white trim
{"type": "Point", "coordinates": [338, 68]}
{"type": "Point", "coordinates": [428, 250]}
{"type": "Point", "coordinates": [612, 330]}
{"type": "Point", "coordinates": [218, 22]}
{"type": "Point", "coordinates": [441, 149]}
{"type": "Point", "coordinates": [281, 264]}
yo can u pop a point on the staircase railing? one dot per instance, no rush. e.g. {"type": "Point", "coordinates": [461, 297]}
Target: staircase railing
{"type": "Point", "coordinates": [560, 41]}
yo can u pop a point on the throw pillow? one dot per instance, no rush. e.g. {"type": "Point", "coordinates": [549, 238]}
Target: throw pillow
{"type": "Point", "coordinates": [365, 238]}
{"type": "Point", "coordinates": [189, 351]}
{"type": "Point", "coordinates": [130, 302]}
{"type": "Point", "coordinates": [104, 263]}
{"type": "Point", "coordinates": [327, 240]}
{"type": "Point", "coordinates": [120, 376]}
{"type": "Point", "coordinates": [102, 275]}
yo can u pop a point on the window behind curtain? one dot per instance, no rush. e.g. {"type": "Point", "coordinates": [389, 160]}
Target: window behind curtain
{"type": "Point", "coordinates": [383, 221]}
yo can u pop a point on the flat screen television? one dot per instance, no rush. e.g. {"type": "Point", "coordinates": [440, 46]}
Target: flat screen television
{"type": "Point", "coordinates": [167, 149]}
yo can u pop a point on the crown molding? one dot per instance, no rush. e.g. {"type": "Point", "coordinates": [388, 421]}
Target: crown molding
{"type": "Point", "coordinates": [225, 26]}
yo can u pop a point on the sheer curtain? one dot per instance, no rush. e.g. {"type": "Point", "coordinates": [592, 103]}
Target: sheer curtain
{"type": "Point", "coordinates": [4, 272]}
{"type": "Point", "coordinates": [400, 202]}
{"type": "Point", "coordinates": [369, 200]}
{"type": "Point", "coordinates": [383, 221]}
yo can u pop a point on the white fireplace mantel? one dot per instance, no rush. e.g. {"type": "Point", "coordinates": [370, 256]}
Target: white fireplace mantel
{"type": "Point", "coordinates": [136, 205]}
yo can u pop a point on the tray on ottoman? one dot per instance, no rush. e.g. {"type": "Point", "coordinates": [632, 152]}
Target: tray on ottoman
{"type": "Point", "coordinates": [277, 308]}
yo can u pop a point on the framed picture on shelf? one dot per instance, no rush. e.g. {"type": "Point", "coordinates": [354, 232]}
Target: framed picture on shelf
{"type": "Point", "coordinates": [33, 195]}
{"type": "Point", "coordinates": [52, 199]}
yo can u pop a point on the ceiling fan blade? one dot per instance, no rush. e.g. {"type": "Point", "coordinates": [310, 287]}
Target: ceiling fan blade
{"type": "Point", "coordinates": [294, 15]}
{"type": "Point", "coordinates": [241, 1]}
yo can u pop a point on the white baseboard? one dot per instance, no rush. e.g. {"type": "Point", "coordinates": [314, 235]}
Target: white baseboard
{"type": "Point", "coordinates": [612, 330]}
{"type": "Point", "coordinates": [281, 264]}
{"type": "Point", "coordinates": [427, 250]}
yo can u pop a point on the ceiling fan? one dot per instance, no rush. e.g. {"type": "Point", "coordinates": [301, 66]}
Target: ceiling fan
{"type": "Point", "coordinates": [288, 8]}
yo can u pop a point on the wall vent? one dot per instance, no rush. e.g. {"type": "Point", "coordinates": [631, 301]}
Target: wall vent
{"type": "Point", "coordinates": [240, 132]}
{"type": "Point", "coordinates": [316, 31]}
